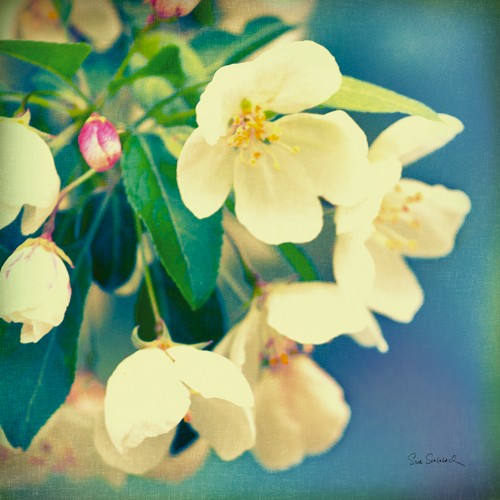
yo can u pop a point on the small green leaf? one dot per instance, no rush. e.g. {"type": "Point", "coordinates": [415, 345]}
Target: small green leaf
{"type": "Point", "coordinates": [36, 378]}
{"type": "Point", "coordinates": [184, 324]}
{"type": "Point", "coordinates": [204, 13]}
{"type": "Point", "coordinates": [217, 48]}
{"type": "Point", "coordinates": [356, 95]}
{"type": "Point", "coordinates": [114, 245]}
{"type": "Point", "coordinates": [63, 8]}
{"type": "Point", "coordinates": [189, 248]}
{"type": "Point", "coordinates": [61, 59]}
{"type": "Point", "coordinates": [300, 262]}
{"type": "Point", "coordinates": [166, 63]}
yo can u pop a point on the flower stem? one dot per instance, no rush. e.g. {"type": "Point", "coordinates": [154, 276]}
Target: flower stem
{"type": "Point", "coordinates": [159, 323]}
{"type": "Point", "coordinates": [50, 225]}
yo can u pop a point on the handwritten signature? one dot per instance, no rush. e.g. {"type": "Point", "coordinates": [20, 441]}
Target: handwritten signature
{"type": "Point", "coordinates": [431, 459]}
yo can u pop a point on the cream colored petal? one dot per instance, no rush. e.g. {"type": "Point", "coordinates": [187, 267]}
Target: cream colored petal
{"type": "Point", "coordinates": [295, 76]}
{"type": "Point", "coordinates": [276, 200]}
{"type": "Point", "coordinates": [318, 405]}
{"type": "Point", "coordinates": [353, 265]}
{"type": "Point", "coordinates": [396, 292]}
{"type": "Point", "coordinates": [438, 216]}
{"type": "Point", "coordinates": [144, 398]}
{"type": "Point", "coordinates": [371, 336]}
{"type": "Point", "coordinates": [313, 313]}
{"type": "Point", "coordinates": [278, 443]}
{"type": "Point", "coordinates": [333, 150]}
{"type": "Point", "coordinates": [229, 429]}
{"type": "Point", "coordinates": [34, 217]}
{"type": "Point", "coordinates": [211, 374]}
{"type": "Point", "coordinates": [136, 460]}
{"type": "Point", "coordinates": [222, 98]}
{"type": "Point", "coordinates": [204, 174]}
{"type": "Point", "coordinates": [28, 174]}
{"type": "Point", "coordinates": [414, 137]}
{"type": "Point", "coordinates": [8, 214]}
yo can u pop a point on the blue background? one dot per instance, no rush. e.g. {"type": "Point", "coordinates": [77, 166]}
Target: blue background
{"type": "Point", "coordinates": [436, 390]}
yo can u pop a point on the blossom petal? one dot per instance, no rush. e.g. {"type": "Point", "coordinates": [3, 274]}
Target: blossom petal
{"type": "Point", "coordinates": [313, 313]}
{"type": "Point", "coordinates": [396, 292]}
{"type": "Point", "coordinates": [204, 174]}
{"type": "Point", "coordinates": [318, 404]}
{"type": "Point", "coordinates": [278, 443]}
{"type": "Point", "coordinates": [333, 150]}
{"type": "Point", "coordinates": [414, 137]}
{"type": "Point", "coordinates": [371, 336]}
{"type": "Point", "coordinates": [381, 177]}
{"type": "Point", "coordinates": [7, 214]}
{"type": "Point", "coordinates": [353, 265]}
{"type": "Point", "coordinates": [229, 429]}
{"type": "Point", "coordinates": [295, 76]}
{"type": "Point", "coordinates": [276, 200]}
{"type": "Point", "coordinates": [439, 215]}
{"type": "Point", "coordinates": [134, 460]}
{"type": "Point", "coordinates": [144, 398]}
{"type": "Point", "coordinates": [222, 98]}
{"type": "Point", "coordinates": [212, 375]}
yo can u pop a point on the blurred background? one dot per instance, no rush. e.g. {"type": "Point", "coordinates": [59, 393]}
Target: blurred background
{"type": "Point", "coordinates": [437, 390]}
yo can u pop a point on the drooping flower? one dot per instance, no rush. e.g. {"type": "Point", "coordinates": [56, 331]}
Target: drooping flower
{"type": "Point", "coordinates": [401, 218]}
{"type": "Point", "coordinates": [299, 409]}
{"type": "Point", "coordinates": [65, 444]}
{"type": "Point", "coordinates": [280, 167]}
{"type": "Point", "coordinates": [99, 143]}
{"type": "Point", "coordinates": [35, 288]}
{"type": "Point", "coordinates": [28, 175]}
{"type": "Point", "coordinates": [152, 390]}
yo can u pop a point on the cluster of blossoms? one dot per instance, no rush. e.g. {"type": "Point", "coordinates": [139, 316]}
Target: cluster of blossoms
{"type": "Point", "coordinates": [259, 389]}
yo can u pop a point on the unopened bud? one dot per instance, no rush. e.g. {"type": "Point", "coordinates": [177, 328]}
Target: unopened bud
{"type": "Point", "coordinates": [99, 143]}
{"type": "Point", "coordinates": [166, 9]}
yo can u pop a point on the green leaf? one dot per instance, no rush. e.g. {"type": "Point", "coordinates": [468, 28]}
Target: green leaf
{"type": "Point", "coordinates": [36, 378]}
{"type": "Point", "coordinates": [61, 59]}
{"type": "Point", "coordinates": [63, 8]}
{"type": "Point", "coordinates": [184, 324]}
{"type": "Point", "coordinates": [217, 48]}
{"type": "Point", "coordinates": [204, 13]}
{"type": "Point", "coordinates": [357, 95]}
{"type": "Point", "coordinates": [300, 262]}
{"type": "Point", "coordinates": [189, 248]}
{"type": "Point", "coordinates": [115, 243]}
{"type": "Point", "coordinates": [166, 63]}
{"type": "Point", "coordinates": [174, 138]}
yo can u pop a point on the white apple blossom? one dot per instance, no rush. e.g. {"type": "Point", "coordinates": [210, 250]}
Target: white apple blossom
{"type": "Point", "coordinates": [400, 218]}
{"type": "Point", "coordinates": [299, 409]}
{"type": "Point", "coordinates": [152, 390]}
{"type": "Point", "coordinates": [28, 176]}
{"type": "Point", "coordinates": [35, 288]}
{"type": "Point", "coordinates": [278, 168]}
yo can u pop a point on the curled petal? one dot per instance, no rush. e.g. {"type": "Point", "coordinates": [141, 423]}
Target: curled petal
{"type": "Point", "coordinates": [204, 174]}
{"type": "Point", "coordinates": [414, 137]}
{"type": "Point", "coordinates": [212, 375]}
{"type": "Point", "coordinates": [313, 313]}
{"type": "Point", "coordinates": [396, 292]}
{"type": "Point", "coordinates": [371, 336]}
{"type": "Point", "coordinates": [144, 398]}
{"type": "Point", "coordinates": [228, 428]}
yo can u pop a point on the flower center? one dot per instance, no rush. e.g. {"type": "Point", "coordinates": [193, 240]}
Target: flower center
{"type": "Point", "coordinates": [396, 210]}
{"type": "Point", "coordinates": [278, 350]}
{"type": "Point", "coordinates": [251, 130]}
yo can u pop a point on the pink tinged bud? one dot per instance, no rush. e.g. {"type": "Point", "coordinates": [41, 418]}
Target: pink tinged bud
{"type": "Point", "coordinates": [99, 143]}
{"type": "Point", "coordinates": [166, 9]}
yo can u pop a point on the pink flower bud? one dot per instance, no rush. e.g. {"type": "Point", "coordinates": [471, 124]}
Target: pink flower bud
{"type": "Point", "coordinates": [165, 9]}
{"type": "Point", "coordinates": [99, 143]}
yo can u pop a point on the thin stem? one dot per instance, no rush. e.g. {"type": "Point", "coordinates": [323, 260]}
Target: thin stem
{"type": "Point", "coordinates": [49, 226]}
{"type": "Point", "coordinates": [159, 323]}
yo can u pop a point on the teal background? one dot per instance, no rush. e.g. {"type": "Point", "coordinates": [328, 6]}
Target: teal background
{"type": "Point", "coordinates": [437, 388]}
